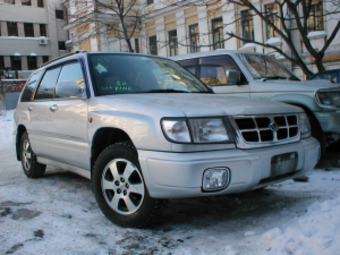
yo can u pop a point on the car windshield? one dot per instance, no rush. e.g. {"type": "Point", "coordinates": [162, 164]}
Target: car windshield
{"type": "Point", "coordinates": [125, 74]}
{"type": "Point", "coordinates": [261, 66]}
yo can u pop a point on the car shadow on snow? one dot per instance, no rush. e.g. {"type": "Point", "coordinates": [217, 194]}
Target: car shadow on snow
{"type": "Point", "coordinates": [238, 209]}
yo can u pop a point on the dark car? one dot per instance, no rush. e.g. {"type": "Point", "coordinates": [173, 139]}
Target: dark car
{"type": "Point", "coordinates": [332, 75]}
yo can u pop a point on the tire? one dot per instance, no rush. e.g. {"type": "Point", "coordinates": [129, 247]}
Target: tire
{"type": "Point", "coordinates": [119, 187]}
{"type": "Point", "coordinates": [31, 167]}
{"type": "Point", "coordinates": [318, 134]}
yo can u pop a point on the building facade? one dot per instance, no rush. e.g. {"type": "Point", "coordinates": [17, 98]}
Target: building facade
{"type": "Point", "coordinates": [169, 28]}
{"type": "Point", "coordinates": [31, 33]}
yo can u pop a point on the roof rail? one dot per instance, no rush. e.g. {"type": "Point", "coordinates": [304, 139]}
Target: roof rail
{"type": "Point", "coordinates": [64, 56]}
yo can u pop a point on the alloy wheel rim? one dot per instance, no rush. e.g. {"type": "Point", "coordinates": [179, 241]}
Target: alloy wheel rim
{"type": "Point", "coordinates": [122, 186]}
{"type": "Point", "coordinates": [26, 155]}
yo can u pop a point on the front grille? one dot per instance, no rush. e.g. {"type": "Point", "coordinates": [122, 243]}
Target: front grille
{"type": "Point", "coordinates": [266, 130]}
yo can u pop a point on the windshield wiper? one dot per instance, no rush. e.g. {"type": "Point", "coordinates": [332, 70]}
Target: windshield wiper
{"type": "Point", "coordinates": [275, 77]}
{"type": "Point", "coordinates": [164, 91]}
{"type": "Point", "coordinates": [294, 78]}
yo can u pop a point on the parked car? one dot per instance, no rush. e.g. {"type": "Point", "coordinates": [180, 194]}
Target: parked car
{"type": "Point", "coordinates": [249, 74]}
{"type": "Point", "coordinates": [143, 129]}
{"type": "Point", "coordinates": [332, 75]}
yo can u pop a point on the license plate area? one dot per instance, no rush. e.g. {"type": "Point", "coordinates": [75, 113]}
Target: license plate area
{"type": "Point", "coordinates": [283, 164]}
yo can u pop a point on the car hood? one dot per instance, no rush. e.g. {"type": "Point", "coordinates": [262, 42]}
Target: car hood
{"type": "Point", "coordinates": [195, 105]}
{"type": "Point", "coordinates": [291, 86]}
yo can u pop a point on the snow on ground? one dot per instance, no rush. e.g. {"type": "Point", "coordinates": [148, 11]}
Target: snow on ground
{"type": "Point", "coordinates": [58, 214]}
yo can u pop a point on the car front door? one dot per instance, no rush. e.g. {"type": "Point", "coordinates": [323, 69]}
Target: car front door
{"type": "Point", "coordinates": [213, 72]}
{"type": "Point", "coordinates": [67, 125]}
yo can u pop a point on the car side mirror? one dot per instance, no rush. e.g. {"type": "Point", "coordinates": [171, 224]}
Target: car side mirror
{"type": "Point", "coordinates": [233, 76]}
{"type": "Point", "coordinates": [68, 89]}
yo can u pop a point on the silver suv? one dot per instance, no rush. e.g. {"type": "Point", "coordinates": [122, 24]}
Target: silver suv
{"type": "Point", "coordinates": [144, 130]}
{"type": "Point", "coordinates": [249, 74]}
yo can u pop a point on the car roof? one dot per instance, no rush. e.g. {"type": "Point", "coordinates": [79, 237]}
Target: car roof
{"type": "Point", "coordinates": [211, 53]}
{"type": "Point", "coordinates": [76, 54]}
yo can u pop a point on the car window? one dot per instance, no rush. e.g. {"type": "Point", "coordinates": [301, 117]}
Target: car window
{"type": "Point", "coordinates": [47, 84]}
{"type": "Point", "coordinates": [332, 76]}
{"type": "Point", "coordinates": [189, 64]}
{"type": "Point", "coordinates": [32, 82]}
{"type": "Point", "coordinates": [71, 72]}
{"type": "Point", "coordinates": [213, 70]}
{"type": "Point", "coordinates": [262, 66]}
{"type": "Point", "coordinates": [119, 74]}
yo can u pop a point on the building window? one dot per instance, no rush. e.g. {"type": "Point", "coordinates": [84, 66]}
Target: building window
{"type": "Point", "coordinates": [32, 62]}
{"type": "Point", "coordinates": [29, 30]}
{"type": "Point", "coordinates": [16, 62]}
{"type": "Point", "coordinates": [62, 45]}
{"type": "Point", "coordinates": [149, 2]}
{"type": "Point", "coordinates": [10, 1]}
{"type": "Point", "coordinates": [194, 38]}
{"type": "Point", "coordinates": [26, 2]}
{"type": "Point", "coordinates": [59, 14]}
{"type": "Point", "coordinates": [136, 45]}
{"type": "Point", "coordinates": [271, 14]}
{"type": "Point", "coordinates": [153, 45]}
{"type": "Point", "coordinates": [12, 28]}
{"type": "Point", "coordinates": [173, 43]}
{"type": "Point", "coordinates": [315, 19]}
{"type": "Point", "coordinates": [247, 25]}
{"type": "Point", "coordinates": [40, 3]}
{"type": "Point", "coordinates": [45, 59]}
{"type": "Point", "coordinates": [43, 30]}
{"type": "Point", "coordinates": [217, 29]}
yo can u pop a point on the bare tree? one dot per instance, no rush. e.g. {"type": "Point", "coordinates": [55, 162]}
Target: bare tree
{"type": "Point", "coordinates": [118, 19]}
{"type": "Point", "coordinates": [294, 16]}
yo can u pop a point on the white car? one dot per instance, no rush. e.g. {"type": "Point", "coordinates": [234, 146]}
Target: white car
{"type": "Point", "coordinates": [255, 75]}
{"type": "Point", "coordinates": [144, 130]}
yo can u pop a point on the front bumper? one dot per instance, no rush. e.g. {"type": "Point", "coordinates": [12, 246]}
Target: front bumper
{"type": "Point", "coordinates": [179, 175]}
{"type": "Point", "coordinates": [329, 121]}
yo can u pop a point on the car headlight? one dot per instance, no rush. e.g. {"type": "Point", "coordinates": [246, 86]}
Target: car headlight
{"type": "Point", "coordinates": [208, 130]}
{"type": "Point", "coordinates": [201, 130]}
{"type": "Point", "coordinates": [329, 98]}
{"type": "Point", "coordinates": [304, 126]}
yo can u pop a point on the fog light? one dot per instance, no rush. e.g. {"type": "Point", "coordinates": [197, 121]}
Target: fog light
{"type": "Point", "coordinates": [216, 178]}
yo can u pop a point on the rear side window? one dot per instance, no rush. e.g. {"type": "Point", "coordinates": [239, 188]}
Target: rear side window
{"type": "Point", "coordinates": [46, 88]}
{"type": "Point", "coordinates": [332, 76]}
{"type": "Point", "coordinates": [71, 73]}
{"type": "Point", "coordinates": [189, 64]}
{"type": "Point", "coordinates": [27, 94]}
{"type": "Point", "coordinates": [213, 70]}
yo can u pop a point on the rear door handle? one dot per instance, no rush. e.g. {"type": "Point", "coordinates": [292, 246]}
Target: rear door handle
{"type": "Point", "coordinates": [53, 108]}
{"type": "Point", "coordinates": [30, 108]}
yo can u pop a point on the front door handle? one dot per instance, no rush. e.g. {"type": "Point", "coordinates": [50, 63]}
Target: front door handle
{"type": "Point", "coordinates": [53, 108]}
{"type": "Point", "coordinates": [30, 108]}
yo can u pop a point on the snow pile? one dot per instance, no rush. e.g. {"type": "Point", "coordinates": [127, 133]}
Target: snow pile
{"type": "Point", "coordinates": [317, 232]}
{"type": "Point", "coordinates": [316, 34]}
{"type": "Point", "coordinates": [274, 40]}
{"type": "Point", "coordinates": [6, 127]}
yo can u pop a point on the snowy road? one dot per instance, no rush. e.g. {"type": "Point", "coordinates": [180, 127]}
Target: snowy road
{"type": "Point", "coordinates": [58, 214]}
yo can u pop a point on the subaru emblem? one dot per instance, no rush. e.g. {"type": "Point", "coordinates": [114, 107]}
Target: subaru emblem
{"type": "Point", "coordinates": [274, 126]}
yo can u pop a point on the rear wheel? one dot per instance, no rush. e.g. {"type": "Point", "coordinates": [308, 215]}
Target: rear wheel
{"type": "Point", "coordinates": [120, 190]}
{"type": "Point", "coordinates": [31, 167]}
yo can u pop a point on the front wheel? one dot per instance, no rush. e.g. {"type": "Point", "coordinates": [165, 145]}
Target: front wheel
{"type": "Point", "coordinates": [318, 134]}
{"type": "Point", "coordinates": [119, 187]}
